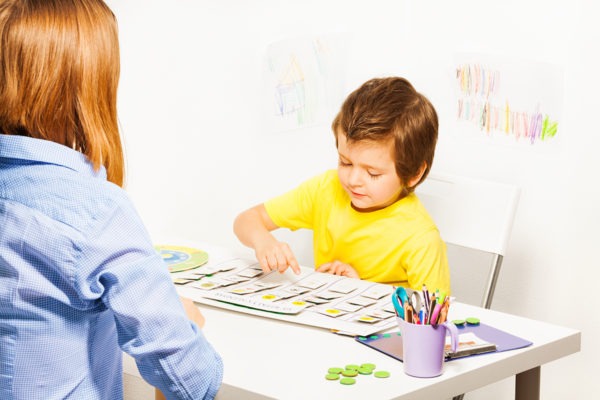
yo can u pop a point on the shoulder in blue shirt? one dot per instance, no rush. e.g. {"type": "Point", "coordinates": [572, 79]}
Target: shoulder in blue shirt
{"type": "Point", "coordinates": [80, 281]}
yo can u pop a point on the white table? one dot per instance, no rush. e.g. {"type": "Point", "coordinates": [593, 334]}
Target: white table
{"type": "Point", "coordinates": [266, 358]}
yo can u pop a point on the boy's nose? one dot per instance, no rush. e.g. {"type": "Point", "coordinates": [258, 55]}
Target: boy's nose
{"type": "Point", "coordinates": [355, 177]}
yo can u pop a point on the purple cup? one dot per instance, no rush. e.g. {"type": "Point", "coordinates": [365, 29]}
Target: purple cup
{"type": "Point", "coordinates": [423, 347]}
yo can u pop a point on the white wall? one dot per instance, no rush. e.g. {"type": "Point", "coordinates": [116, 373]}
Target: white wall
{"type": "Point", "coordinates": [199, 153]}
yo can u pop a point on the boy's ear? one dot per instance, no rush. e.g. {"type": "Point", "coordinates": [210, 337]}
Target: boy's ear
{"type": "Point", "coordinates": [413, 182]}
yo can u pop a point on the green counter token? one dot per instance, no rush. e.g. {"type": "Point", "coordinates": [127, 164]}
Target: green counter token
{"type": "Point", "coordinates": [350, 372]}
{"type": "Point", "coordinates": [382, 374]}
{"type": "Point", "coordinates": [458, 322]}
{"type": "Point", "coordinates": [335, 370]}
{"type": "Point", "coordinates": [365, 371]}
{"type": "Point", "coordinates": [368, 365]}
{"type": "Point", "coordinates": [352, 366]}
{"type": "Point", "coordinates": [473, 321]}
{"type": "Point", "coordinates": [347, 381]}
{"type": "Point", "coordinates": [332, 377]}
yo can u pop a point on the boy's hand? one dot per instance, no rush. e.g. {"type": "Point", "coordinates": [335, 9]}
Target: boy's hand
{"type": "Point", "coordinates": [339, 268]}
{"type": "Point", "coordinates": [253, 227]}
{"type": "Point", "coordinates": [277, 256]}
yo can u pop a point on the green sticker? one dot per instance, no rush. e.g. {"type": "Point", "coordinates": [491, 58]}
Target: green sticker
{"type": "Point", "coordinates": [332, 377]}
{"type": "Point", "coordinates": [382, 374]}
{"type": "Point", "coordinates": [348, 381]}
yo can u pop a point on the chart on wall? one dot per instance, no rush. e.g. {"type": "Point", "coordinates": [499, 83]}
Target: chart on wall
{"type": "Point", "coordinates": [508, 100]}
{"type": "Point", "coordinates": [345, 305]}
{"type": "Point", "coordinates": [303, 81]}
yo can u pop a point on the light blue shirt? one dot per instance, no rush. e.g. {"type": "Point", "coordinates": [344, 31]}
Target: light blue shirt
{"type": "Point", "coordinates": [80, 281]}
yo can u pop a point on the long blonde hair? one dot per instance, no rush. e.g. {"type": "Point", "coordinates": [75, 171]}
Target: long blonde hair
{"type": "Point", "coordinates": [59, 72]}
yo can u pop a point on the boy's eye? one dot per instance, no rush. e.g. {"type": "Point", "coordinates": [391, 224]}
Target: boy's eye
{"type": "Point", "coordinates": [374, 175]}
{"type": "Point", "coordinates": [344, 163]}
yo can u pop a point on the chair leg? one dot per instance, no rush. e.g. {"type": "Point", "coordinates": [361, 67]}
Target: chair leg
{"type": "Point", "coordinates": [493, 278]}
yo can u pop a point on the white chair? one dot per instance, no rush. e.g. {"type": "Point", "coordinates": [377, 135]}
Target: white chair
{"type": "Point", "coordinates": [474, 214]}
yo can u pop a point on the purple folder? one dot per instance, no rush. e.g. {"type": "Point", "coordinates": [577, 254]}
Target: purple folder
{"type": "Point", "coordinates": [391, 343]}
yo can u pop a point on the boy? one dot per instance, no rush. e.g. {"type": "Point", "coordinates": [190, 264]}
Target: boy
{"type": "Point", "coordinates": [367, 221]}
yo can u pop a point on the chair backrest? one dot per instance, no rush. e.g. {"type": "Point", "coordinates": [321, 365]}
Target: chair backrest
{"type": "Point", "coordinates": [472, 213]}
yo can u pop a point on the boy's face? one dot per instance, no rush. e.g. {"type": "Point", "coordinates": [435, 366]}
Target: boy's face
{"type": "Point", "coordinates": [367, 172]}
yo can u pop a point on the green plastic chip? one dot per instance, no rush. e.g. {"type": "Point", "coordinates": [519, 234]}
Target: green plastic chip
{"type": "Point", "coordinates": [473, 321]}
{"type": "Point", "coordinates": [353, 367]}
{"type": "Point", "coordinates": [368, 365]}
{"type": "Point", "coordinates": [347, 381]}
{"type": "Point", "coordinates": [335, 370]}
{"type": "Point", "coordinates": [350, 372]}
{"type": "Point", "coordinates": [365, 371]}
{"type": "Point", "coordinates": [382, 374]}
{"type": "Point", "coordinates": [332, 377]}
{"type": "Point", "coordinates": [458, 322]}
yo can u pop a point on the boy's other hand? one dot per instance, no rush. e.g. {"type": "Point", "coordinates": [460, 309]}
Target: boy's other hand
{"type": "Point", "coordinates": [339, 268]}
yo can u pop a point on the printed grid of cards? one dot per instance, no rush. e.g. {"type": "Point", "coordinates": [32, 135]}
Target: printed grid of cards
{"type": "Point", "coordinates": [243, 282]}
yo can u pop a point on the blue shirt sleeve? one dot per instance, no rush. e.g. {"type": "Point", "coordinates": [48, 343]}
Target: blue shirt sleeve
{"type": "Point", "coordinates": [120, 268]}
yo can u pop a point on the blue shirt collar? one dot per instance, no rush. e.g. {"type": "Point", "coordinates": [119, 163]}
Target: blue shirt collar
{"type": "Point", "coordinates": [40, 150]}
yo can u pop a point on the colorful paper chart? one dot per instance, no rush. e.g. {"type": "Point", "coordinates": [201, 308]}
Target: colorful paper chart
{"type": "Point", "coordinates": [179, 258]}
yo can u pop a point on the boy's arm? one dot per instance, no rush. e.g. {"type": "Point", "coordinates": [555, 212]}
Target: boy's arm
{"type": "Point", "coordinates": [253, 228]}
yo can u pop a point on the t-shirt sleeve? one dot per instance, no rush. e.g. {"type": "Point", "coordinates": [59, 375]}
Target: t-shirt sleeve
{"type": "Point", "coordinates": [295, 208]}
{"type": "Point", "coordinates": [428, 263]}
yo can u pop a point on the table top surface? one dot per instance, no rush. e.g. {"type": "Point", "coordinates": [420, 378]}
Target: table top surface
{"type": "Point", "coordinates": [283, 360]}
{"type": "Point", "coordinates": [273, 358]}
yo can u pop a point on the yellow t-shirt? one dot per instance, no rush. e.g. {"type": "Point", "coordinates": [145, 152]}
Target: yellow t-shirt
{"type": "Point", "coordinates": [397, 245]}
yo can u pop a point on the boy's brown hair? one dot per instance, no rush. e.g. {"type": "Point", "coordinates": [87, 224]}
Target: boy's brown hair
{"type": "Point", "coordinates": [390, 108]}
{"type": "Point", "coordinates": [59, 71]}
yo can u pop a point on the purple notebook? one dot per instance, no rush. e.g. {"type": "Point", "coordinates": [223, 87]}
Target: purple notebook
{"type": "Point", "coordinates": [391, 343]}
